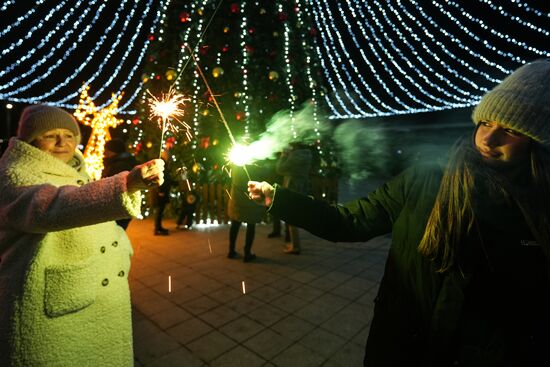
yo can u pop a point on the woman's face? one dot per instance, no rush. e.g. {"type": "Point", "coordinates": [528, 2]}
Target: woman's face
{"type": "Point", "coordinates": [500, 146]}
{"type": "Point", "coordinates": [60, 143]}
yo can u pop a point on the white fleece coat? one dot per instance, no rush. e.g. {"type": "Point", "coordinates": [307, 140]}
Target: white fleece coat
{"type": "Point", "coordinates": [64, 263]}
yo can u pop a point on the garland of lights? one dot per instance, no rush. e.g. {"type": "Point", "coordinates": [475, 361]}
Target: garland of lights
{"type": "Point", "coordinates": [370, 29]}
{"type": "Point", "coordinates": [49, 56]}
{"type": "Point", "coordinates": [70, 43]}
{"type": "Point", "coordinates": [244, 70]}
{"type": "Point", "coordinates": [311, 83]}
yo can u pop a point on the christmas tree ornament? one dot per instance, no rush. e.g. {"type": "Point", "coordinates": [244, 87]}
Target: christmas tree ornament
{"type": "Point", "coordinates": [234, 7]}
{"type": "Point", "coordinates": [273, 75]}
{"type": "Point", "coordinates": [217, 72]}
{"type": "Point", "coordinates": [226, 29]}
{"type": "Point", "coordinates": [184, 17]}
{"type": "Point", "coordinates": [144, 78]}
{"type": "Point", "coordinates": [170, 74]}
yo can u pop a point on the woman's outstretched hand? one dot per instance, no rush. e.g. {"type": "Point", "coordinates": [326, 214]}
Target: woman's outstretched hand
{"type": "Point", "coordinates": [146, 175]}
{"type": "Point", "coordinates": [261, 192]}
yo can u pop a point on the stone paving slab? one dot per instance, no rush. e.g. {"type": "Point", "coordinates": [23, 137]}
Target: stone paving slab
{"type": "Point", "coordinates": [190, 308]}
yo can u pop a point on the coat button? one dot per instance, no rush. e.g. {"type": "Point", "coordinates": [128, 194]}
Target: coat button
{"type": "Point", "coordinates": [121, 273]}
{"type": "Point", "coordinates": [80, 182]}
{"type": "Point", "coordinates": [104, 282]}
{"type": "Point", "coordinates": [115, 244]}
{"type": "Point", "coordinates": [102, 249]}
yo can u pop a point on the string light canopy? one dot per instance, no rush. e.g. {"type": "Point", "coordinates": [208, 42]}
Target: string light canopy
{"type": "Point", "coordinates": [51, 48]}
{"type": "Point", "coordinates": [390, 57]}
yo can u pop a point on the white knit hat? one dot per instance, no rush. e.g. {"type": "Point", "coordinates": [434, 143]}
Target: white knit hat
{"type": "Point", "coordinates": [39, 118]}
{"type": "Point", "coordinates": [521, 102]}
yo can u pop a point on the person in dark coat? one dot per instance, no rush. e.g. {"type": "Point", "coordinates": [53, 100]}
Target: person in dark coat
{"type": "Point", "coordinates": [466, 281]}
{"type": "Point", "coordinates": [294, 165]}
{"type": "Point", "coordinates": [189, 200]}
{"type": "Point", "coordinates": [241, 209]}
{"type": "Point", "coordinates": [115, 160]}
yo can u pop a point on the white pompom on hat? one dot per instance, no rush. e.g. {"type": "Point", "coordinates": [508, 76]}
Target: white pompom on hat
{"type": "Point", "coordinates": [521, 102]}
{"type": "Point", "coordinates": [39, 118]}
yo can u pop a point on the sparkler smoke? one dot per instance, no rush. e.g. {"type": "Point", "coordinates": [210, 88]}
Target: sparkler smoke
{"type": "Point", "coordinates": [278, 135]}
{"type": "Point", "coordinates": [363, 149]}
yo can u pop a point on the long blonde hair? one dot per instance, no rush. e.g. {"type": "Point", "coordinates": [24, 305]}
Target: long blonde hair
{"type": "Point", "coordinates": [453, 218]}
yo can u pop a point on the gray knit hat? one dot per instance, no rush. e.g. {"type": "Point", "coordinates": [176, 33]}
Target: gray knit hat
{"type": "Point", "coordinates": [521, 102]}
{"type": "Point", "coordinates": [39, 118]}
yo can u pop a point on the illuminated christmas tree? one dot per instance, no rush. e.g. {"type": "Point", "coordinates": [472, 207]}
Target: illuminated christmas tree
{"type": "Point", "coordinates": [257, 59]}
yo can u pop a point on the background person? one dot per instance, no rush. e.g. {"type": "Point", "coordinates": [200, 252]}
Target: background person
{"type": "Point", "coordinates": [294, 165]}
{"type": "Point", "coordinates": [466, 281]}
{"type": "Point", "coordinates": [241, 209]}
{"type": "Point", "coordinates": [64, 263]}
{"type": "Point", "coordinates": [189, 201]}
{"type": "Point", "coordinates": [160, 198]}
{"type": "Point", "coordinates": [116, 159]}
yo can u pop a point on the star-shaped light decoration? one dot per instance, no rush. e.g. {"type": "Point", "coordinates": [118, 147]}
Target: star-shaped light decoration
{"type": "Point", "coordinates": [100, 120]}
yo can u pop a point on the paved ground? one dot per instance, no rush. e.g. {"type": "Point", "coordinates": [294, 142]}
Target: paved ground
{"type": "Point", "coordinates": [308, 310]}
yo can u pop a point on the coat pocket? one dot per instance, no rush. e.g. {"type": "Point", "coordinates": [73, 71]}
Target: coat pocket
{"type": "Point", "coordinates": [70, 288]}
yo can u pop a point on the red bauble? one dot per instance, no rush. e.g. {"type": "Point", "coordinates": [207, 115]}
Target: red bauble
{"type": "Point", "coordinates": [151, 37]}
{"type": "Point", "coordinates": [234, 8]}
{"type": "Point", "coordinates": [313, 31]}
{"type": "Point", "coordinates": [135, 121]}
{"type": "Point", "coordinates": [239, 116]}
{"type": "Point", "coordinates": [184, 17]}
{"type": "Point", "coordinates": [225, 48]}
{"type": "Point", "coordinates": [205, 142]}
{"type": "Point", "coordinates": [251, 30]}
{"type": "Point", "coordinates": [249, 49]}
{"type": "Point", "coordinates": [203, 50]}
{"type": "Point", "coordinates": [157, 77]}
{"type": "Point", "coordinates": [283, 16]}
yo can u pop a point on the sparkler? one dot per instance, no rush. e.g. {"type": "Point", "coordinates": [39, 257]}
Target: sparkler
{"type": "Point", "coordinates": [167, 109]}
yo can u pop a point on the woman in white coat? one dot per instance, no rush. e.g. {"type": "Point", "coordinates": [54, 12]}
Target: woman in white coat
{"type": "Point", "coordinates": [64, 263]}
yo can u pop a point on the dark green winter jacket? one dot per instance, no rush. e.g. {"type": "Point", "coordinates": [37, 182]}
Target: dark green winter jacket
{"type": "Point", "coordinates": [418, 310]}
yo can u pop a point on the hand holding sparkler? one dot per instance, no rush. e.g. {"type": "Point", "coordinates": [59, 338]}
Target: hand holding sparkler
{"type": "Point", "coordinates": [261, 192]}
{"type": "Point", "coordinates": [145, 175]}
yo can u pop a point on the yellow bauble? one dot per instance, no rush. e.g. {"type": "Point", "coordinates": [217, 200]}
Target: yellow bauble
{"type": "Point", "coordinates": [170, 74]}
{"type": "Point", "coordinates": [225, 29]}
{"type": "Point", "coordinates": [205, 112]}
{"type": "Point", "coordinates": [273, 75]}
{"type": "Point", "coordinates": [144, 78]}
{"type": "Point", "coordinates": [217, 72]}
{"type": "Point", "coordinates": [149, 144]}
{"type": "Point", "coordinates": [196, 168]}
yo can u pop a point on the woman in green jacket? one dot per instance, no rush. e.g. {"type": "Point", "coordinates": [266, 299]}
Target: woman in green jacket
{"type": "Point", "coordinates": [64, 263]}
{"type": "Point", "coordinates": [466, 281]}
